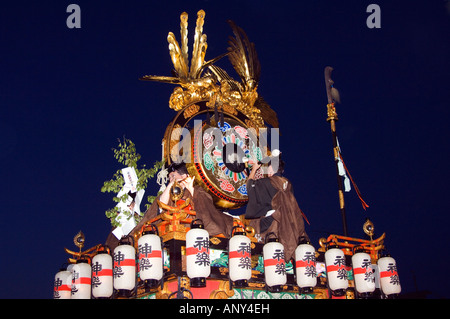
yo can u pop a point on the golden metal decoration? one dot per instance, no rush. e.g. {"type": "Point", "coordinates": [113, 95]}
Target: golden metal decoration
{"type": "Point", "coordinates": [223, 291]}
{"type": "Point", "coordinates": [189, 78]}
{"type": "Point", "coordinates": [249, 230]}
{"type": "Point", "coordinates": [323, 244]}
{"type": "Point", "coordinates": [349, 294]}
{"type": "Point", "coordinates": [320, 293]}
{"type": "Point", "coordinates": [91, 252]}
{"type": "Point", "coordinates": [79, 240]}
{"type": "Point", "coordinates": [215, 240]}
{"type": "Point", "coordinates": [176, 192]}
{"type": "Point", "coordinates": [331, 112]}
{"type": "Point", "coordinates": [191, 110]}
{"type": "Point", "coordinates": [216, 86]}
{"type": "Point", "coordinates": [204, 88]}
{"type": "Point", "coordinates": [184, 287]}
{"type": "Point", "coordinates": [163, 293]}
{"type": "Point", "coordinates": [347, 244]}
{"type": "Point", "coordinates": [177, 209]}
{"type": "Point", "coordinates": [369, 228]}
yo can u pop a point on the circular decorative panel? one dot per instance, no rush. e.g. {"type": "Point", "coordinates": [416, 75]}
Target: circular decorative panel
{"type": "Point", "coordinates": [219, 152]}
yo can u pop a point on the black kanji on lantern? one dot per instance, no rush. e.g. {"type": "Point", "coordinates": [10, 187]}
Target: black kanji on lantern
{"type": "Point", "coordinates": [394, 279]}
{"type": "Point", "coordinates": [342, 274]}
{"type": "Point", "coordinates": [278, 254]}
{"type": "Point", "coordinates": [96, 268]}
{"type": "Point", "coordinates": [280, 269]}
{"type": "Point", "coordinates": [339, 261]}
{"type": "Point", "coordinates": [145, 250]}
{"type": "Point", "coordinates": [118, 272]}
{"type": "Point", "coordinates": [310, 271]}
{"type": "Point", "coordinates": [75, 276]}
{"type": "Point", "coordinates": [309, 258]}
{"type": "Point", "coordinates": [244, 248]}
{"type": "Point", "coordinates": [58, 283]}
{"type": "Point", "coordinates": [119, 257]}
{"type": "Point", "coordinates": [245, 263]}
{"type": "Point", "coordinates": [366, 264]}
{"type": "Point", "coordinates": [96, 281]}
{"type": "Point", "coordinates": [392, 268]}
{"type": "Point", "coordinates": [144, 264]}
{"type": "Point", "coordinates": [202, 259]}
{"type": "Point", "coordinates": [201, 242]}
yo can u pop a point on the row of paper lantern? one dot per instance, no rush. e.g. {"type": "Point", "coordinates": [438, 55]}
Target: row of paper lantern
{"type": "Point", "coordinates": [337, 278]}
{"type": "Point", "coordinates": [107, 273]}
{"type": "Point", "coordinates": [364, 273]}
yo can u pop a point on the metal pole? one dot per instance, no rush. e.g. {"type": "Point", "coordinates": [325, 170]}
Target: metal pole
{"type": "Point", "coordinates": [332, 96]}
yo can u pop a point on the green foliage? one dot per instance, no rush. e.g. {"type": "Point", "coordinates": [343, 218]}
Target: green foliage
{"type": "Point", "coordinates": [126, 155]}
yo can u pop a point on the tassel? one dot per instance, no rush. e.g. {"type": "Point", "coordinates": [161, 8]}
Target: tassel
{"type": "Point", "coordinates": [364, 204]}
{"type": "Point", "coordinates": [304, 216]}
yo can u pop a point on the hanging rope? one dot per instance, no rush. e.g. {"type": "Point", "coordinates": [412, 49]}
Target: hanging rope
{"type": "Point", "coordinates": [364, 204]}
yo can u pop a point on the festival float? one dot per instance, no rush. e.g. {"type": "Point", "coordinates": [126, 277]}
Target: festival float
{"type": "Point", "coordinates": [219, 125]}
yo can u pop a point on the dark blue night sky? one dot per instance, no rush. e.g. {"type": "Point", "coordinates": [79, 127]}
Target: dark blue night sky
{"type": "Point", "coordinates": [67, 95]}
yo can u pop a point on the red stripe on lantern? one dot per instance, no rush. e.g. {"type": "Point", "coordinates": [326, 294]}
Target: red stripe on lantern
{"type": "Point", "coordinates": [384, 274]}
{"type": "Point", "coordinates": [63, 288]}
{"type": "Point", "coordinates": [125, 262]}
{"type": "Point", "coordinates": [301, 263]}
{"type": "Point", "coordinates": [236, 254]}
{"type": "Point", "coordinates": [154, 254]}
{"type": "Point", "coordinates": [83, 281]}
{"type": "Point", "coordinates": [194, 251]}
{"type": "Point", "coordinates": [104, 272]}
{"type": "Point", "coordinates": [272, 262]}
{"type": "Point", "coordinates": [332, 268]}
{"type": "Point", "coordinates": [358, 271]}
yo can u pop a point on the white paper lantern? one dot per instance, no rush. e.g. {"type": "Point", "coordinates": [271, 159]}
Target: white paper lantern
{"type": "Point", "coordinates": [63, 284]}
{"type": "Point", "coordinates": [239, 259]}
{"type": "Point", "coordinates": [389, 280]}
{"type": "Point", "coordinates": [337, 277]}
{"type": "Point", "coordinates": [102, 274]}
{"type": "Point", "coordinates": [305, 266]}
{"type": "Point", "coordinates": [150, 257]}
{"type": "Point", "coordinates": [124, 270]}
{"type": "Point", "coordinates": [274, 263]}
{"type": "Point", "coordinates": [364, 275]}
{"type": "Point", "coordinates": [198, 265]}
{"type": "Point", "coordinates": [81, 280]}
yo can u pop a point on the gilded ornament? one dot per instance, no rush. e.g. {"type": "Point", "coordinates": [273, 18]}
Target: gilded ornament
{"type": "Point", "coordinates": [201, 83]}
{"type": "Point", "coordinates": [215, 86]}
{"type": "Point", "coordinates": [320, 293]}
{"type": "Point", "coordinates": [331, 112]}
{"type": "Point", "coordinates": [190, 111]}
{"type": "Point", "coordinates": [222, 292]}
{"type": "Point", "coordinates": [215, 240]}
{"type": "Point", "coordinates": [349, 294]}
{"type": "Point", "coordinates": [164, 293]}
{"type": "Point", "coordinates": [79, 240]}
{"type": "Point", "coordinates": [369, 228]}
